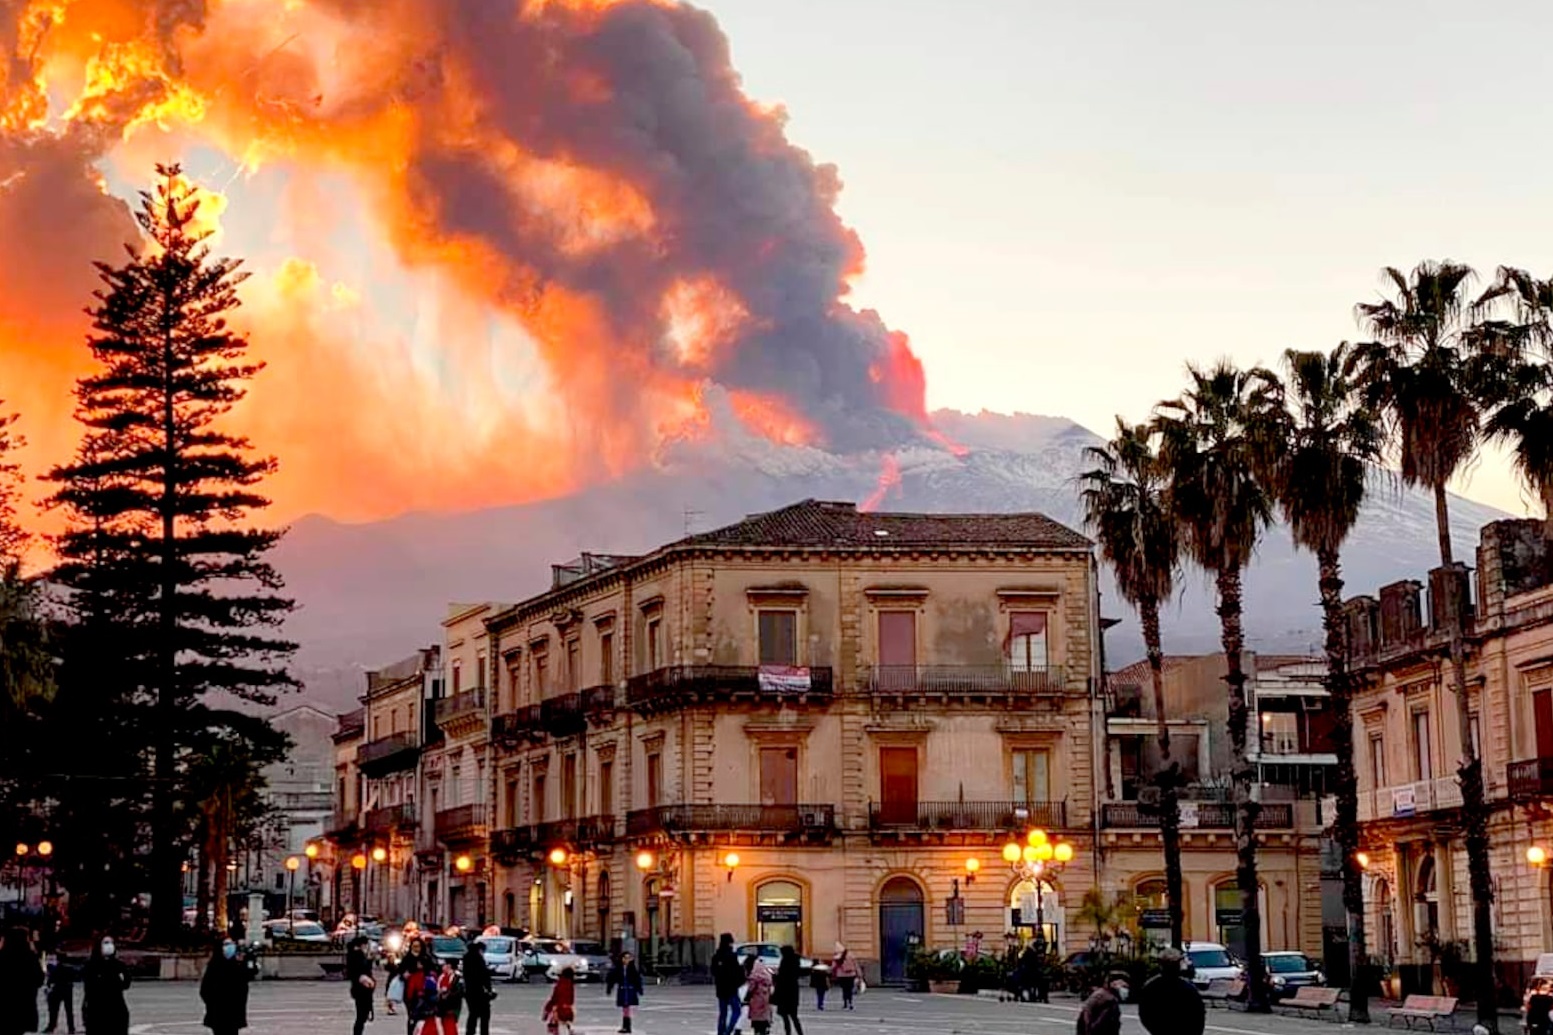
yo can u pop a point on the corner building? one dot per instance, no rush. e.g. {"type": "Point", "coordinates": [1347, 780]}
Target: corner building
{"type": "Point", "coordinates": [798, 729]}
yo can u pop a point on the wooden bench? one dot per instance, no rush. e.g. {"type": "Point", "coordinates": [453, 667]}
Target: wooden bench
{"type": "Point", "coordinates": [1311, 999]}
{"type": "Point", "coordinates": [1221, 990]}
{"type": "Point", "coordinates": [1431, 1008]}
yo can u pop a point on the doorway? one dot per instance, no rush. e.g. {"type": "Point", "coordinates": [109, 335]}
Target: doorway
{"type": "Point", "coordinates": [779, 913]}
{"type": "Point", "coordinates": [901, 927]}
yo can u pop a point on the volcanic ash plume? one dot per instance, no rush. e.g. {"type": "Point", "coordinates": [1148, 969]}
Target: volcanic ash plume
{"type": "Point", "coordinates": [590, 173]}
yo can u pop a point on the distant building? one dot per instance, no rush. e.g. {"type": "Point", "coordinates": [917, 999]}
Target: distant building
{"type": "Point", "coordinates": [300, 792]}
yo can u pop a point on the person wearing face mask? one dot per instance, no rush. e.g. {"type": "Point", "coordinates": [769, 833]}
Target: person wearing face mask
{"type": "Point", "coordinates": [21, 975]}
{"type": "Point", "coordinates": [224, 991]}
{"type": "Point", "coordinates": [103, 1010]}
{"type": "Point", "coordinates": [1102, 1012]}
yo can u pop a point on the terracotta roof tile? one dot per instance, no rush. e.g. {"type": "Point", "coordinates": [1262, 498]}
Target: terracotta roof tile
{"type": "Point", "coordinates": [813, 523]}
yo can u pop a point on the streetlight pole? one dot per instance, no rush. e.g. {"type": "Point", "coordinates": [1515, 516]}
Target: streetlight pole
{"type": "Point", "coordinates": [1037, 860]}
{"type": "Point", "coordinates": [292, 863]}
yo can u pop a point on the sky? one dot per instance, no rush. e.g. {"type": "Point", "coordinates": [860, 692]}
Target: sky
{"type": "Point", "coordinates": [1064, 203]}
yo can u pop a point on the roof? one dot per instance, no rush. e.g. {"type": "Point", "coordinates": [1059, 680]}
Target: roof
{"type": "Point", "coordinates": [1137, 674]}
{"type": "Point", "coordinates": [816, 523]}
{"type": "Point", "coordinates": [1269, 662]}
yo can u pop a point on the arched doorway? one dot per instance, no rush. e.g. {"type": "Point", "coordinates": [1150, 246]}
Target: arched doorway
{"type": "Point", "coordinates": [1152, 901]}
{"type": "Point", "coordinates": [779, 913]}
{"type": "Point", "coordinates": [902, 924]}
{"type": "Point", "coordinates": [603, 906]}
{"type": "Point", "coordinates": [1426, 899]}
{"type": "Point", "coordinates": [1035, 913]}
{"type": "Point", "coordinates": [1385, 913]}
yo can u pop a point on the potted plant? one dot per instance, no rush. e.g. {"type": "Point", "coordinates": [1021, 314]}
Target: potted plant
{"type": "Point", "coordinates": [938, 972]}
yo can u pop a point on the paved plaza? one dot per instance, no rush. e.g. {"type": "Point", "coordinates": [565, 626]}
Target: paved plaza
{"type": "Point", "coordinates": [322, 1008]}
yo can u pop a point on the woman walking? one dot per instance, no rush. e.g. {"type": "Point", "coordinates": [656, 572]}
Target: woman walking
{"type": "Point", "coordinates": [21, 975]}
{"type": "Point", "coordinates": [224, 991]}
{"type": "Point", "coordinates": [103, 1010]}
{"type": "Point", "coordinates": [358, 975]}
{"type": "Point", "coordinates": [626, 979]}
{"type": "Point", "coordinates": [757, 995]}
{"type": "Point", "coordinates": [420, 998]}
{"type": "Point", "coordinates": [561, 1008]}
{"type": "Point", "coordinates": [785, 995]}
{"type": "Point", "coordinates": [450, 997]}
{"type": "Point", "coordinates": [844, 969]}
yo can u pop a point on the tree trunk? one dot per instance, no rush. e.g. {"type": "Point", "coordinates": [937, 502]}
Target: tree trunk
{"type": "Point", "coordinates": [1340, 687]}
{"type": "Point", "coordinates": [166, 907]}
{"type": "Point", "coordinates": [1168, 778]}
{"type": "Point", "coordinates": [202, 887]}
{"type": "Point", "coordinates": [1470, 774]}
{"type": "Point", "coordinates": [223, 855]}
{"type": "Point", "coordinates": [1243, 777]}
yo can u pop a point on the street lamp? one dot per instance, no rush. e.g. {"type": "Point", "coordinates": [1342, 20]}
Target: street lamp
{"type": "Point", "coordinates": [972, 868]}
{"type": "Point", "coordinates": [463, 864]}
{"type": "Point", "coordinates": [292, 862]}
{"type": "Point", "coordinates": [645, 860]}
{"type": "Point", "coordinates": [1038, 860]}
{"type": "Point", "coordinates": [731, 861]}
{"type": "Point", "coordinates": [1537, 855]}
{"type": "Point", "coordinates": [358, 864]}
{"type": "Point", "coordinates": [1363, 859]}
{"type": "Point", "coordinates": [558, 856]}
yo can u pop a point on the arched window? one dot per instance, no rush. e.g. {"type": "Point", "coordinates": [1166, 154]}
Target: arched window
{"type": "Point", "coordinates": [1385, 912]}
{"type": "Point", "coordinates": [1153, 907]}
{"type": "Point", "coordinates": [779, 913]}
{"type": "Point", "coordinates": [1426, 898]}
{"type": "Point", "coordinates": [1036, 913]}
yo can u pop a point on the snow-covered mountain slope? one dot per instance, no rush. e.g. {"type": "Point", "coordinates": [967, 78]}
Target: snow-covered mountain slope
{"type": "Point", "coordinates": [371, 593]}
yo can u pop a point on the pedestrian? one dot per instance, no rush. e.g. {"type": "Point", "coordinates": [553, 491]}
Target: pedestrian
{"type": "Point", "coordinates": [237, 930]}
{"type": "Point", "coordinates": [626, 982]}
{"type": "Point", "coordinates": [819, 980]}
{"type": "Point", "coordinates": [21, 975]}
{"type": "Point", "coordinates": [224, 990]}
{"type": "Point", "coordinates": [845, 971]}
{"type": "Point", "coordinates": [420, 998]}
{"type": "Point", "coordinates": [103, 1010]}
{"type": "Point", "coordinates": [59, 990]}
{"type": "Point", "coordinates": [450, 997]}
{"type": "Point", "coordinates": [1168, 1004]}
{"type": "Point", "coordinates": [561, 1008]}
{"type": "Point", "coordinates": [358, 975]}
{"type": "Point", "coordinates": [727, 979]}
{"type": "Point", "coordinates": [478, 992]}
{"type": "Point", "coordinates": [757, 995]}
{"type": "Point", "coordinates": [784, 994]}
{"type": "Point", "coordinates": [1102, 1011]}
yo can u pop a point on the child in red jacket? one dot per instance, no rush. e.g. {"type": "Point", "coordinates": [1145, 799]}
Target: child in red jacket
{"type": "Point", "coordinates": [561, 1007]}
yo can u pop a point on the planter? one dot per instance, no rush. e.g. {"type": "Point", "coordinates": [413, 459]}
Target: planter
{"type": "Point", "coordinates": [950, 987]}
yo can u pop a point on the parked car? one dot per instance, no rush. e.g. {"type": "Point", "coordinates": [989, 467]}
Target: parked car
{"type": "Point", "coordinates": [501, 955]}
{"type": "Point", "coordinates": [446, 948]}
{"type": "Point", "coordinates": [770, 954]}
{"type": "Point", "coordinates": [589, 962]}
{"type": "Point", "coordinates": [1210, 961]}
{"type": "Point", "coordinates": [1076, 970]}
{"type": "Point", "coordinates": [539, 953]}
{"type": "Point", "coordinates": [295, 931]}
{"type": "Point", "coordinates": [1290, 971]}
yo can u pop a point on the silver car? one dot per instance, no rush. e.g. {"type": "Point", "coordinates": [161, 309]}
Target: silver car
{"type": "Point", "coordinates": [501, 956]}
{"type": "Point", "coordinates": [589, 962]}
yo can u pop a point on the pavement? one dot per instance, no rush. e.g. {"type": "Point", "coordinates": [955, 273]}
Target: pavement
{"type": "Point", "coordinates": [323, 1008]}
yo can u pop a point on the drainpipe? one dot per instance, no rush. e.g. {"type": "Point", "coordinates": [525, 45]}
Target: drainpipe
{"type": "Point", "coordinates": [1096, 708]}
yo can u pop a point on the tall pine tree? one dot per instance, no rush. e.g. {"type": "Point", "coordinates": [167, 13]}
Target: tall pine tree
{"type": "Point", "coordinates": [159, 501]}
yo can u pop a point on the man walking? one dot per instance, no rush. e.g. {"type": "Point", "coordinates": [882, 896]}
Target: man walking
{"type": "Point", "coordinates": [1102, 1011]}
{"type": "Point", "coordinates": [1169, 1004]}
{"type": "Point", "coordinates": [478, 992]}
{"type": "Point", "coordinates": [60, 991]}
{"type": "Point", "coordinates": [727, 978]}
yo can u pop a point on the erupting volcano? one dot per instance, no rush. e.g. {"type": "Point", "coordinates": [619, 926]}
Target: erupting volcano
{"type": "Point", "coordinates": [602, 227]}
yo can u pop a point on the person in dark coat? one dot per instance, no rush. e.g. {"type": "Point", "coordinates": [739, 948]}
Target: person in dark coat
{"type": "Point", "coordinates": [784, 994]}
{"type": "Point", "coordinates": [103, 1010]}
{"type": "Point", "coordinates": [1169, 1004]}
{"type": "Point", "coordinates": [420, 997]}
{"type": "Point", "coordinates": [358, 975]}
{"type": "Point", "coordinates": [224, 990]}
{"type": "Point", "coordinates": [21, 975]}
{"type": "Point", "coordinates": [727, 979]}
{"type": "Point", "coordinates": [450, 997]}
{"type": "Point", "coordinates": [625, 980]}
{"type": "Point", "coordinates": [1102, 1011]}
{"type": "Point", "coordinates": [59, 990]}
{"type": "Point", "coordinates": [478, 992]}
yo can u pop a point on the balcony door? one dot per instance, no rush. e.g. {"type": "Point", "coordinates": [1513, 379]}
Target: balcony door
{"type": "Point", "coordinates": [897, 650]}
{"type": "Point", "coordinates": [1542, 717]}
{"type": "Point", "coordinates": [898, 785]}
{"type": "Point", "coordinates": [778, 776]}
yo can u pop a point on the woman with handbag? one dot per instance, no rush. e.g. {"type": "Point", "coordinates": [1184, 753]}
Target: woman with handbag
{"type": "Point", "coordinates": [358, 975]}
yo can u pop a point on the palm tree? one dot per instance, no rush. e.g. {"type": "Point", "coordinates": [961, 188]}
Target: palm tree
{"type": "Point", "coordinates": [1320, 447]}
{"type": "Point", "coordinates": [1423, 371]}
{"type": "Point", "coordinates": [1124, 504]}
{"type": "Point", "coordinates": [1523, 387]}
{"type": "Point", "coordinates": [1209, 444]}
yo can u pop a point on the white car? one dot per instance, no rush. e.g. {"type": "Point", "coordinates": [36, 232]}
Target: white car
{"type": "Point", "coordinates": [295, 931]}
{"type": "Point", "coordinates": [1210, 961]}
{"type": "Point", "coordinates": [589, 962]}
{"type": "Point", "coordinates": [501, 955]}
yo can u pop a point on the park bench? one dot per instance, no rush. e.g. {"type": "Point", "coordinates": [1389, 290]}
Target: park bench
{"type": "Point", "coordinates": [1431, 1008]}
{"type": "Point", "coordinates": [1221, 990]}
{"type": "Point", "coordinates": [1313, 1000]}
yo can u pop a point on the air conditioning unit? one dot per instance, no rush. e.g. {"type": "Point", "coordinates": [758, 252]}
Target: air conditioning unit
{"type": "Point", "coordinates": [813, 818]}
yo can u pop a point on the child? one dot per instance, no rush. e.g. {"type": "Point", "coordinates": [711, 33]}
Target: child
{"type": "Point", "coordinates": [450, 997]}
{"type": "Point", "coordinates": [561, 1007]}
{"type": "Point", "coordinates": [819, 980]}
{"type": "Point", "coordinates": [628, 980]}
{"type": "Point", "coordinates": [757, 996]}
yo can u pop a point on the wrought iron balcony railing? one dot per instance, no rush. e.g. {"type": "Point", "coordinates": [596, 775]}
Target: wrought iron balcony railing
{"type": "Point", "coordinates": [461, 823]}
{"type": "Point", "coordinates": [1530, 778]}
{"type": "Point", "coordinates": [392, 817]}
{"type": "Point", "coordinates": [681, 686]}
{"type": "Point", "coordinates": [467, 705]}
{"type": "Point", "coordinates": [1206, 815]}
{"type": "Point", "coordinates": [514, 727]}
{"type": "Point", "coordinates": [964, 681]}
{"type": "Point", "coordinates": [996, 816]}
{"type": "Point", "coordinates": [390, 753]}
{"type": "Point", "coordinates": [708, 819]}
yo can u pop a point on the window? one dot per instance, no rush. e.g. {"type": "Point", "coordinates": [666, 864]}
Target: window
{"type": "Point", "coordinates": [654, 779]}
{"type": "Point", "coordinates": [480, 669]}
{"type": "Point", "coordinates": [779, 913]}
{"type": "Point", "coordinates": [1027, 641]}
{"type": "Point", "coordinates": [1280, 733]}
{"type": "Point", "coordinates": [779, 637]}
{"type": "Point", "coordinates": [1151, 900]}
{"type": "Point", "coordinates": [436, 800]}
{"type": "Point", "coordinates": [514, 685]}
{"type": "Point", "coordinates": [393, 721]}
{"type": "Point", "coordinates": [456, 785]}
{"type": "Point", "coordinates": [606, 788]}
{"type": "Point", "coordinates": [539, 798]}
{"type": "Point", "coordinates": [1129, 752]}
{"type": "Point", "coordinates": [569, 785]}
{"type": "Point", "coordinates": [377, 727]}
{"type": "Point", "coordinates": [778, 776]}
{"type": "Point", "coordinates": [1032, 776]}
{"type": "Point", "coordinates": [512, 801]}
{"type": "Point", "coordinates": [1474, 737]}
{"type": "Point", "coordinates": [606, 659]}
{"type": "Point", "coordinates": [458, 676]}
{"type": "Point", "coordinates": [1423, 763]}
{"type": "Point", "coordinates": [654, 647]}
{"type": "Point", "coordinates": [573, 665]}
{"type": "Point", "coordinates": [409, 718]}
{"type": "Point", "coordinates": [1377, 760]}
{"type": "Point", "coordinates": [541, 676]}
{"type": "Point", "coordinates": [898, 639]}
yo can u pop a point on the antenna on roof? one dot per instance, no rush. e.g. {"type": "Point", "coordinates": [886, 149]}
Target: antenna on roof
{"type": "Point", "coordinates": [690, 519]}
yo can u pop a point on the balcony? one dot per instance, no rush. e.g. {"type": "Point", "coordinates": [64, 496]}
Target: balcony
{"type": "Point", "coordinates": [342, 828]}
{"type": "Point", "coordinates": [1409, 799]}
{"type": "Point", "coordinates": [1530, 779]}
{"type": "Point", "coordinates": [1195, 815]}
{"type": "Point", "coordinates": [391, 754]}
{"type": "Point", "coordinates": [392, 817]}
{"type": "Point", "coordinates": [921, 818]}
{"type": "Point", "coordinates": [515, 727]}
{"type": "Point", "coordinates": [461, 823]}
{"type": "Point", "coordinates": [510, 845]}
{"type": "Point", "coordinates": [742, 823]}
{"type": "Point", "coordinates": [951, 684]}
{"type": "Point", "coordinates": [462, 714]}
{"type": "Point", "coordinates": [576, 834]}
{"type": "Point", "coordinates": [686, 686]}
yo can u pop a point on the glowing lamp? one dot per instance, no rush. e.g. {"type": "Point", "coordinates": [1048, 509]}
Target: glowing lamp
{"type": "Point", "coordinates": [1536, 855]}
{"type": "Point", "coordinates": [21, 848]}
{"type": "Point", "coordinates": [311, 851]}
{"type": "Point", "coordinates": [731, 860]}
{"type": "Point", "coordinates": [1032, 854]}
{"type": "Point", "coordinates": [1362, 859]}
{"type": "Point", "coordinates": [292, 862]}
{"type": "Point", "coordinates": [558, 856]}
{"type": "Point", "coordinates": [232, 866]}
{"type": "Point", "coordinates": [45, 848]}
{"type": "Point", "coordinates": [463, 864]}
{"type": "Point", "coordinates": [644, 860]}
{"type": "Point", "coordinates": [972, 865]}
{"type": "Point", "coordinates": [1037, 837]}
{"type": "Point", "coordinates": [358, 861]}
{"type": "Point", "coordinates": [1044, 851]}
{"type": "Point", "coordinates": [1011, 853]}
{"type": "Point", "coordinates": [379, 854]}
{"type": "Point", "coordinates": [1064, 852]}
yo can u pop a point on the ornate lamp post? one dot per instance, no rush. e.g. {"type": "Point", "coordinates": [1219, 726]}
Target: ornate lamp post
{"type": "Point", "coordinates": [292, 864]}
{"type": "Point", "coordinates": [1037, 860]}
{"type": "Point", "coordinates": [358, 864]}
